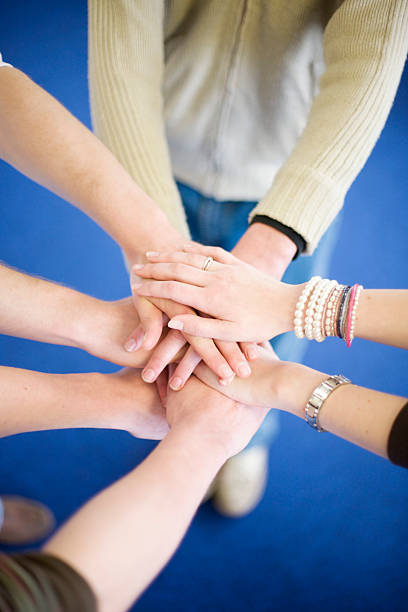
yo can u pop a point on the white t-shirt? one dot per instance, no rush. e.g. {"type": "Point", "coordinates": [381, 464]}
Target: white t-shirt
{"type": "Point", "coordinates": [3, 63]}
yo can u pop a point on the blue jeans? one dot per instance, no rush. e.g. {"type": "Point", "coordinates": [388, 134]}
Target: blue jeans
{"type": "Point", "coordinates": [222, 224]}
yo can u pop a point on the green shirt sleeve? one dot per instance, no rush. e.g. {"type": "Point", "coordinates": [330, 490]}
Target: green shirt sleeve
{"type": "Point", "coordinates": [37, 582]}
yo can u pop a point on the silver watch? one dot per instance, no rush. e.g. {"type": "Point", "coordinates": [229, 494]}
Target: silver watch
{"type": "Point", "coordinates": [319, 396]}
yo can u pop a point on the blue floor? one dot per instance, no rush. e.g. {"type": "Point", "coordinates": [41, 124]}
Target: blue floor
{"type": "Point", "coordinates": [332, 531]}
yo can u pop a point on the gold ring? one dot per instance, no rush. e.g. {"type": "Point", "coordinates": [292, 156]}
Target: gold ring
{"type": "Point", "coordinates": [207, 263]}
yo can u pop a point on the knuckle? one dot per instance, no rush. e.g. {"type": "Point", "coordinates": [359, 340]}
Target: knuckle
{"type": "Point", "coordinates": [177, 268]}
{"type": "Point", "coordinates": [170, 289]}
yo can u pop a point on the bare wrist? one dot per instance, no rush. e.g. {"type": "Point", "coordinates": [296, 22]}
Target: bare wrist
{"type": "Point", "coordinates": [290, 297]}
{"type": "Point", "coordinates": [266, 248]}
{"type": "Point", "coordinates": [87, 315]}
{"type": "Point", "coordinates": [293, 384]}
{"type": "Point", "coordinates": [163, 237]}
{"type": "Point", "coordinates": [200, 444]}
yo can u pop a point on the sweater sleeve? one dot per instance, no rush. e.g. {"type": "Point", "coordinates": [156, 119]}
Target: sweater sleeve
{"type": "Point", "coordinates": [365, 45]}
{"type": "Point", "coordinates": [126, 65]}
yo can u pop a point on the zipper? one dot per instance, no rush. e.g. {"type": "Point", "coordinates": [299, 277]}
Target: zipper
{"type": "Point", "coordinates": [227, 94]}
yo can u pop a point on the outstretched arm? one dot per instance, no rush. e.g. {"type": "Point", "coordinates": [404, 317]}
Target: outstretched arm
{"type": "Point", "coordinates": [249, 305]}
{"type": "Point", "coordinates": [37, 309]}
{"type": "Point", "coordinates": [362, 416]}
{"type": "Point", "coordinates": [140, 520]}
{"type": "Point", "coordinates": [40, 138]}
{"type": "Point", "coordinates": [365, 46]}
{"type": "Point", "coordinates": [34, 401]}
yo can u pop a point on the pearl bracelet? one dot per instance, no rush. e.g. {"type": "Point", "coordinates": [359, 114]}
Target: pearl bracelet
{"type": "Point", "coordinates": [326, 308]}
{"type": "Point", "coordinates": [301, 304]}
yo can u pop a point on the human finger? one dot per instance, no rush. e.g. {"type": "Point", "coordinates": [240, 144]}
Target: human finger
{"type": "Point", "coordinates": [195, 260]}
{"type": "Point", "coordinates": [173, 271]}
{"type": "Point", "coordinates": [219, 254]}
{"type": "Point", "coordinates": [211, 355]}
{"type": "Point", "coordinates": [235, 357]}
{"type": "Point", "coordinates": [135, 340]}
{"type": "Point", "coordinates": [184, 369]}
{"type": "Point", "coordinates": [162, 355]}
{"type": "Point", "coordinates": [173, 290]}
{"type": "Point", "coordinates": [250, 350]}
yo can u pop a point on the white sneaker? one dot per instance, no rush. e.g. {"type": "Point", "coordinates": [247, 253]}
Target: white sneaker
{"type": "Point", "coordinates": [241, 482]}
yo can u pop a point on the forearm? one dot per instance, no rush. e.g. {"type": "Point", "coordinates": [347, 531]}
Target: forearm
{"type": "Point", "coordinates": [37, 309]}
{"type": "Point", "coordinates": [140, 520]}
{"type": "Point", "coordinates": [34, 401]}
{"type": "Point", "coordinates": [361, 416]}
{"type": "Point", "coordinates": [381, 316]}
{"type": "Point", "coordinates": [39, 137]}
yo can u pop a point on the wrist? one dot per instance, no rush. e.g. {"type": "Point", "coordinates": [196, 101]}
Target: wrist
{"type": "Point", "coordinates": [266, 248]}
{"type": "Point", "coordinates": [289, 299]}
{"type": "Point", "coordinates": [293, 384]}
{"type": "Point", "coordinates": [86, 315]}
{"type": "Point", "coordinates": [164, 236]}
{"type": "Point", "coordinates": [199, 446]}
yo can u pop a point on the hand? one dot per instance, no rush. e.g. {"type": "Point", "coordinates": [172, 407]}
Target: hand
{"type": "Point", "coordinates": [274, 384]}
{"type": "Point", "coordinates": [249, 305]}
{"type": "Point", "coordinates": [226, 424]}
{"type": "Point", "coordinates": [101, 328]}
{"type": "Point", "coordinates": [151, 319]}
{"type": "Point", "coordinates": [224, 358]}
{"type": "Point", "coordinates": [123, 401]}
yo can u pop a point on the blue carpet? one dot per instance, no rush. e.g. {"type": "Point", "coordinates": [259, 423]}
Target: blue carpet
{"type": "Point", "coordinates": [332, 531]}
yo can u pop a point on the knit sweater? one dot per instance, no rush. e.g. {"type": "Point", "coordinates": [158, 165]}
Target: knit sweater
{"type": "Point", "coordinates": [272, 101]}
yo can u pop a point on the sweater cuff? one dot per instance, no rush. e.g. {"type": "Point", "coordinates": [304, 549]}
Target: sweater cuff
{"type": "Point", "coordinates": [299, 241]}
{"type": "Point", "coordinates": [303, 199]}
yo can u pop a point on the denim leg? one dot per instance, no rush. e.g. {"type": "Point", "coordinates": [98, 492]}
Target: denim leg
{"type": "Point", "coordinates": [222, 224]}
{"type": "Point", "coordinates": [1, 513]}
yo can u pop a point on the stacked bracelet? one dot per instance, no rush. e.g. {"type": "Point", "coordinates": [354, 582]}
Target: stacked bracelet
{"type": "Point", "coordinates": [326, 308]}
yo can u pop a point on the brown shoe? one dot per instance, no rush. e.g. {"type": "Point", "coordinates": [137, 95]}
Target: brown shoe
{"type": "Point", "coordinates": [25, 521]}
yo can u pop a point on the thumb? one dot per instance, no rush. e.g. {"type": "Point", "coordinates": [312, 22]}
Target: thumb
{"type": "Point", "coordinates": [151, 320]}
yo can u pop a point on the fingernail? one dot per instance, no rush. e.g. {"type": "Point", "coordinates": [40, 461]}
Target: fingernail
{"type": "Point", "coordinates": [226, 372]}
{"type": "Point", "coordinates": [136, 285]}
{"type": "Point", "coordinates": [152, 253]}
{"type": "Point", "coordinates": [252, 353]}
{"type": "Point", "coordinates": [138, 266]}
{"type": "Point", "coordinates": [243, 369]}
{"type": "Point", "coordinates": [148, 375]}
{"type": "Point", "coordinates": [175, 383]}
{"type": "Point", "coordinates": [130, 345]}
{"type": "Point", "coordinates": [226, 381]}
{"type": "Point", "coordinates": [175, 324]}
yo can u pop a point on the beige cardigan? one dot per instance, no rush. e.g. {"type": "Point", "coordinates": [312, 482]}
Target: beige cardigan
{"type": "Point", "coordinates": [272, 100]}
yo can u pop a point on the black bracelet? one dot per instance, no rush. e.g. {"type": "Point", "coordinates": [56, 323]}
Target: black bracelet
{"type": "Point", "coordinates": [343, 320]}
{"type": "Point", "coordinates": [299, 241]}
{"type": "Point", "coordinates": [341, 310]}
